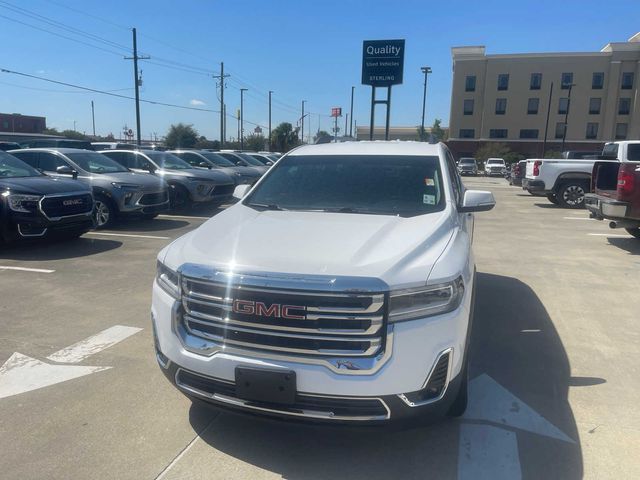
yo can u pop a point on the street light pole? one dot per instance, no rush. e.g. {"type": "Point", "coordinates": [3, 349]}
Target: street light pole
{"type": "Point", "coordinates": [426, 71]}
{"type": "Point", "coordinates": [566, 117]}
{"type": "Point", "coordinates": [351, 115]}
{"type": "Point", "coordinates": [93, 118]}
{"type": "Point", "coordinates": [242, 90]}
{"type": "Point", "coordinates": [269, 139]}
{"type": "Point", "coordinates": [302, 125]}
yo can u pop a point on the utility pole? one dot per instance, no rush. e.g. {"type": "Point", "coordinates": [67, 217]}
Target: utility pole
{"type": "Point", "coordinates": [546, 125]}
{"type": "Point", "coordinates": [93, 118]}
{"type": "Point", "coordinates": [242, 90]}
{"type": "Point", "coordinates": [222, 76]}
{"type": "Point", "coordinates": [346, 122]}
{"type": "Point", "coordinates": [269, 139]}
{"type": "Point", "coordinates": [136, 80]}
{"type": "Point", "coordinates": [74, 125]}
{"type": "Point", "coordinates": [302, 128]}
{"type": "Point", "coordinates": [351, 115]}
{"type": "Point", "coordinates": [426, 71]}
{"type": "Point", "coordinates": [566, 117]}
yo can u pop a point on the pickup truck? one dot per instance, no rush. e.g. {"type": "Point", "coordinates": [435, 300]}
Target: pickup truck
{"type": "Point", "coordinates": [616, 187]}
{"type": "Point", "coordinates": [563, 181]}
{"type": "Point", "coordinates": [363, 312]}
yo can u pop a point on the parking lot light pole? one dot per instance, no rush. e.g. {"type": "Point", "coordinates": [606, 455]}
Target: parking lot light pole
{"type": "Point", "coordinates": [426, 71]}
{"type": "Point", "coordinates": [566, 115]}
{"type": "Point", "coordinates": [302, 125]}
{"type": "Point", "coordinates": [351, 114]}
{"type": "Point", "coordinates": [269, 139]}
{"type": "Point", "coordinates": [241, 134]}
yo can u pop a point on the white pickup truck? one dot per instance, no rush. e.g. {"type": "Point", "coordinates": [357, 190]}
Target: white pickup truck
{"type": "Point", "coordinates": [563, 181]}
{"type": "Point", "coordinates": [362, 311]}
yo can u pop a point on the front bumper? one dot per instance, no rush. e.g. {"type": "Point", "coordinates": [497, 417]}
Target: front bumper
{"type": "Point", "coordinates": [19, 226]}
{"type": "Point", "coordinates": [203, 192]}
{"type": "Point", "coordinates": [605, 207]}
{"type": "Point", "coordinates": [132, 202]}
{"type": "Point", "coordinates": [413, 350]}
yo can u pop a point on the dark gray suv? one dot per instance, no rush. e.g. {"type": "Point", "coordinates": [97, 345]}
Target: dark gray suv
{"type": "Point", "coordinates": [188, 185]}
{"type": "Point", "coordinates": [210, 160]}
{"type": "Point", "coordinates": [117, 190]}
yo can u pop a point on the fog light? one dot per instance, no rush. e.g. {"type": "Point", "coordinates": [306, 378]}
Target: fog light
{"type": "Point", "coordinates": [436, 385]}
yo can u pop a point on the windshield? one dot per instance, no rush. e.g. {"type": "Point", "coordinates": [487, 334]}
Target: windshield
{"type": "Point", "coordinates": [385, 185]}
{"type": "Point", "coordinates": [495, 162]}
{"type": "Point", "coordinates": [261, 159]}
{"type": "Point", "coordinates": [217, 159]}
{"type": "Point", "coordinates": [250, 160]}
{"type": "Point", "coordinates": [467, 161]}
{"type": "Point", "coordinates": [633, 152]}
{"type": "Point", "coordinates": [95, 162]}
{"type": "Point", "coordinates": [11, 167]}
{"type": "Point", "coordinates": [168, 160]}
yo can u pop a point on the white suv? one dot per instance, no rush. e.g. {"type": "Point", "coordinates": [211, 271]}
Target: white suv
{"type": "Point", "coordinates": [360, 309]}
{"type": "Point", "coordinates": [495, 166]}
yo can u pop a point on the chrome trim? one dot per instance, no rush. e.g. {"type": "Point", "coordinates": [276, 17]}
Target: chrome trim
{"type": "Point", "coordinates": [32, 235]}
{"type": "Point", "coordinates": [302, 413]}
{"type": "Point", "coordinates": [339, 365]}
{"type": "Point", "coordinates": [143, 193]}
{"type": "Point", "coordinates": [67, 194]}
{"type": "Point", "coordinates": [402, 396]}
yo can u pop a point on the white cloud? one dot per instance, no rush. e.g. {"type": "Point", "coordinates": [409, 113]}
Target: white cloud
{"type": "Point", "coordinates": [197, 103]}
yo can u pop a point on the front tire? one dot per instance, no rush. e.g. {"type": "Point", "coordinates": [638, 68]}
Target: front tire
{"type": "Point", "coordinates": [104, 212]}
{"type": "Point", "coordinates": [179, 198]}
{"type": "Point", "coordinates": [634, 231]}
{"type": "Point", "coordinates": [571, 194]}
{"type": "Point", "coordinates": [552, 198]}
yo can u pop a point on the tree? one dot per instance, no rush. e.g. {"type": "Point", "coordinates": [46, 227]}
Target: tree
{"type": "Point", "coordinates": [322, 137]}
{"type": "Point", "coordinates": [284, 137]}
{"type": "Point", "coordinates": [72, 134]}
{"type": "Point", "coordinates": [181, 136]}
{"type": "Point", "coordinates": [490, 149]}
{"type": "Point", "coordinates": [51, 131]}
{"type": "Point", "coordinates": [437, 132]}
{"type": "Point", "coordinates": [204, 144]}
{"type": "Point", "coordinates": [255, 142]}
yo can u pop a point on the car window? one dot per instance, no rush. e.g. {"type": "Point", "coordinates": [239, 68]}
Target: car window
{"type": "Point", "coordinates": [190, 158]}
{"type": "Point", "coordinates": [217, 159]}
{"type": "Point", "coordinates": [372, 184]}
{"type": "Point", "coordinates": [49, 162]}
{"type": "Point", "coordinates": [95, 162]}
{"type": "Point", "coordinates": [168, 160]}
{"type": "Point", "coordinates": [28, 157]}
{"type": "Point", "coordinates": [234, 159]}
{"type": "Point", "coordinates": [456, 183]}
{"type": "Point", "coordinates": [12, 167]}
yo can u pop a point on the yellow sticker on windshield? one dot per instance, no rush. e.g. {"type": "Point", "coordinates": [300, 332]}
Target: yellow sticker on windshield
{"type": "Point", "coordinates": [429, 199]}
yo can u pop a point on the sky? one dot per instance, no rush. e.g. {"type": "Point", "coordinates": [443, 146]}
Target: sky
{"type": "Point", "coordinates": [300, 50]}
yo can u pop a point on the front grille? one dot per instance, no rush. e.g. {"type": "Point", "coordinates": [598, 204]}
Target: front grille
{"type": "Point", "coordinates": [329, 407]}
{"type": "Point", "coordinates": [222, 190]}
{"type": "Point", "coordinates": [67, 205]}
{"type": "Point", "coordinates": [277, 320]}
{"type": "Point", "coordinates": [154, 198]}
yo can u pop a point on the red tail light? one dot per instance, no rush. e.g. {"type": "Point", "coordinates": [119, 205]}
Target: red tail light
{"type": "Point", "coordinates": [536, 167]}
{"type": "Point", "coordinates": [626, 180]}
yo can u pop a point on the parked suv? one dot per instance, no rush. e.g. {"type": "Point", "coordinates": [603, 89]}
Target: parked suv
{"type": "Point", "coordinates": [468, 166]}
{"type": "Point", "coordinates": [188, 185]}
{"type": "Point", "coordinates": [495, 166]}
{"type": "Point", "coordinates": [117, 191]}
{"type": "Point", "coordinates": [242, 159]}
{"type": "Point", "coordinates": [210, 160]}
{"type": "Point", "coordinates": [362, 313]}
{"type": "Point", "coordinates": [35, 205]}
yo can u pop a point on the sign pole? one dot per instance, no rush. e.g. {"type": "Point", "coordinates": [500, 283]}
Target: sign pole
{"type": "Point", "coordinates": [386, 130]}
{"type": "Point", "coordinates": [373, 111]}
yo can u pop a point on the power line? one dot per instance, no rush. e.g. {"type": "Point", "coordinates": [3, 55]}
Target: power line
{"type": "Point", "coordinates": [57, 91]}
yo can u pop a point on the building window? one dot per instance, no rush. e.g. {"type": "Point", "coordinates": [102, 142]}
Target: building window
{"type": "Point", "coordinates": [467, 133]}
{"type": "Point", "coordinates": [592, 130]}
{"type": "Point", "coordinates": [498, 133]}
{"type": "Point", "coordinates": [532, 106]}
{"type": "Point", "coordinates": [594, 106]}
{"type": "Point", "coordinates": [597, 81]}
{"type": "Point", "coordinates": [503, 81]}
{"type": "Point", "coordinates": [529, 133]}
{"type": "Point", "coordinates": [501, 106]}
{"type": "Point", "coordinates": [536, 81]}
{"type": "Point", "coordinates": [627, 81]}
{"type": "Point", "coordinates": [621, 131]}
{"type": "Point", "coordinates": [470, 83]}
{"type": "Point", "coordinates": [5, 124]}
{"type": "Point", "coordinates": [566, 80]}
{"type": "Point", "coordinates": [468, 106]}
{"type": "Point", "coordinates": [563, 105]}
{"type": "Point", "coordinates": [624, 106]}
{"type": "Point", "coordinates": [559, 130]}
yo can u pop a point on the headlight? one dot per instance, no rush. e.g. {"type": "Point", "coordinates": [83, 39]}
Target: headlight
{"type": "Point", "coordinates": [168, 280]}
{"type": "Point", "coordinates": [425, 301]}
{"type": "Point", "coordinates": [23, 203]}
{"type": "Point", "coordinates": [126, 185]}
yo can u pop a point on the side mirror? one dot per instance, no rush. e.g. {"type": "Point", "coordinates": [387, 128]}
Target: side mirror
{"type": "Point", "coordinates": [150, 167]}
{"type": "Point", "coordinates": [240, 191]}
{"type": "Point", "coordinates": [67, 170]}
{"type": "Point", "coordinates": [477, 201]}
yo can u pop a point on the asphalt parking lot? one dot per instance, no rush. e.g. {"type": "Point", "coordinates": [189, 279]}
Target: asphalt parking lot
{"type": "Point", "coordinates": [554, 366]}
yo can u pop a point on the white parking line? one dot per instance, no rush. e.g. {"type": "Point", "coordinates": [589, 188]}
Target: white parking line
{"type": "Point", "coordinates": [186, 217]}
{"type": "Point", "coordinates": [608, 235]}
{"type": "Point", "coordinates": [131, 235]}
{"type": "Point", "coordinates": [577, 218]}
{"type": "Point", "coordinates": [96, 343]}
{"type": "Point", "coordinates": [23, 269]}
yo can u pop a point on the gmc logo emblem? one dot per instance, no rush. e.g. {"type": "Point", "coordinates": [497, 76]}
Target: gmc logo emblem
{"type": "Point", "coordinates": [68, 203]}
{"type": "Point", "coordinates": [249, 307]}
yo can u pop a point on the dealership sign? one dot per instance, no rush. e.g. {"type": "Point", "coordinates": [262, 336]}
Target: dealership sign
{"type": "Point", "coordinates": [336, 112]}
{"type": "Point", "coordinates": [382, 62]}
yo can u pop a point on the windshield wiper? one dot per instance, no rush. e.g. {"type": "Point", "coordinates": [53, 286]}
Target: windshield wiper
{"type": "Point", "coordinates": [265, 206]}
{"type": "Point", "coordinates": [356, 210]}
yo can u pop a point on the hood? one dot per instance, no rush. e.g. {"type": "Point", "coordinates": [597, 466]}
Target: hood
{"type": "Point", "coordinates": [260, 170]}
{"type": "Point", "coordinates": [145, 180]}
{"type": "Point", "coordinates": [213, 175]}
{"type": "Point", "coordinates": [247, 171]}
{"type": "Point", "coordinates": [400, 251]}
{"type": "Point", "coordinates": [43, 185]}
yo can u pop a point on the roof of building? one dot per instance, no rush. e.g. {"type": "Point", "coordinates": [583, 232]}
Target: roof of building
{"type": "Point", "coordinates": [375, 147]}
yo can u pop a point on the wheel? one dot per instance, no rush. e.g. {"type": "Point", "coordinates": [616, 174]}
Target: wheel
{"type": "Point", "coordinates": [552, 198]}
{"type": "Point", "coordinates": [104, 212]}
{"type": "Point", "coordinates": [459, 405]}
{"type": "Point", "coordinates": [179, 198]}
{"type": "Point", "coordinates": [634, 231]}
{"type": "Point", "coordinates": [571, 194]}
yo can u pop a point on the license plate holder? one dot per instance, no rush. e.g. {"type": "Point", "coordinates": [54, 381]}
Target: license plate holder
{"type": "Point", "coordinates": [264, 385]}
